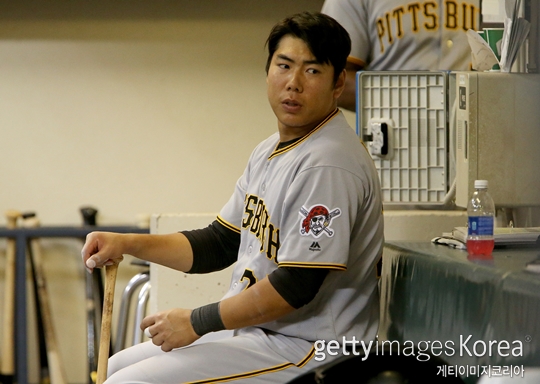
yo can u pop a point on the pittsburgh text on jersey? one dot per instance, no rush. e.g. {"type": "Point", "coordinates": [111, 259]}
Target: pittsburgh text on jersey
{"type": "Point", "coordinates": [418, 17]}
{"type": "Point", "coordinates": [257, 221]}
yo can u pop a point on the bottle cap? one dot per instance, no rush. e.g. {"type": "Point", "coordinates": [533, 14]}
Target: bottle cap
{"type": "Point", "coordinates": [480, 184]}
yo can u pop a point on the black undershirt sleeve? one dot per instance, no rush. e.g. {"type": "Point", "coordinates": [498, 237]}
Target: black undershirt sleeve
{"type": "Point", "coordinates": [298, 286]}
{"type": "Point", "coordinates": [214, 248]}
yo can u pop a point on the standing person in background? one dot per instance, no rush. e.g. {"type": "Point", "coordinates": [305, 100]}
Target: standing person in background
{"type": "Point", "coordinates": [303, 228]}
{"type": "Point", "coordinates": [404, 35]}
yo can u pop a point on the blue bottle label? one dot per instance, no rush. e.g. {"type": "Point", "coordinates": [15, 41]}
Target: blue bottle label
{"type": "Point", "coordinates": [481, 226]}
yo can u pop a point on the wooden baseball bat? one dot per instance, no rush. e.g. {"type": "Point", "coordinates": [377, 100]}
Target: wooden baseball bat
{"type": "Point", "coordinates": [7, 364]}
{"type": "Point", "coordinates": [94, 296]}
{"type": "Point", "coordinates": [56, 371]}
{"type": "Point", "coordinates": [44, 376]}
{"type": "Point", "coordinates": [106, 323]}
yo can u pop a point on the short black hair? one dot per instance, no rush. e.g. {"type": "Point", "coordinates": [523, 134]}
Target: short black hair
{"type": "Point", "coordinates": [326, 38]}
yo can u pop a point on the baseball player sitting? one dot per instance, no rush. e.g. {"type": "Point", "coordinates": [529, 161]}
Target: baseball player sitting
{"type": "Point", "coordinates": [303, 227]}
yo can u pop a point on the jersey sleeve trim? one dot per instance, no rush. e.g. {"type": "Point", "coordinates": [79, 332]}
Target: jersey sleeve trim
{"type": "Point", "coordinates": [340, 267]}
{"type": "Point", "coordinates": [306, 359]}
{"type": "Point", "coordinates": [228, 225]}
{"type": "Point", "coordinates": [356, 61]}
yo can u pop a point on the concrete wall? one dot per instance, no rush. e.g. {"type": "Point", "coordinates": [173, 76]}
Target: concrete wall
{"type": "Point", "coordinates": [135, 107]}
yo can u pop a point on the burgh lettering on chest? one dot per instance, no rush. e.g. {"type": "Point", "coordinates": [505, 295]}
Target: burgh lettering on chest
{"type": "Point", "coordinates": [257, 221]}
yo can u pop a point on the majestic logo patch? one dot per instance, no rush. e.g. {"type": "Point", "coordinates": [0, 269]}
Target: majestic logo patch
{"type": "Point", "coordinates": [317, 220]}
{"type": "Point", "coordinates": [315, 247]}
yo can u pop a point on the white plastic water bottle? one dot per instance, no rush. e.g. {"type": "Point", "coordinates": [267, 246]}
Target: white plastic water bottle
{"type": "Point", "coordinates": [481, 213]}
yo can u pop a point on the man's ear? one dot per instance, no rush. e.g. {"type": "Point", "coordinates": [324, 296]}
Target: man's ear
{"type": "Point", "coordinates": [340, 84]}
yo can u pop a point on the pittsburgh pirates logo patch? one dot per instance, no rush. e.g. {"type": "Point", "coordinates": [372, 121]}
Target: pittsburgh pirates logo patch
{"type": "Point", "coordinates": [317, 221]}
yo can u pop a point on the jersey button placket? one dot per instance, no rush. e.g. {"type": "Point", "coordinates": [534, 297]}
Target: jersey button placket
{"type": "Point", "coordinates": [263, 185]}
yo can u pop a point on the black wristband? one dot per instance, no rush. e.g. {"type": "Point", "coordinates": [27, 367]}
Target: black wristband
{"type": "Point", "coordinates": [207, 319]}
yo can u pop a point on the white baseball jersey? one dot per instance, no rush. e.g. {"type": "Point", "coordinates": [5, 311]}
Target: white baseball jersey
{"type": "Point", "coordinates": [316, 204]}
{"type": "Point", "coordinates": [407, 35]}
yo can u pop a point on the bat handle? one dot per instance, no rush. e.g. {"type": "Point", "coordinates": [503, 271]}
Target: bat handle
{"type": "Point", "coordinates": [106, 323]}
{"type": "Point", "coordinates": [94, 283]}
{"type": "Point", "coordinates": [7, 363]}
{"type": "Point", "coordinates": [89, 215]}
{"type": "Point", "coordinates": [11, 217]}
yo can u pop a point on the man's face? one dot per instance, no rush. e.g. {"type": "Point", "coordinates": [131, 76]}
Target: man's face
{"type": "Point", "coordinates": [301, 90]}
